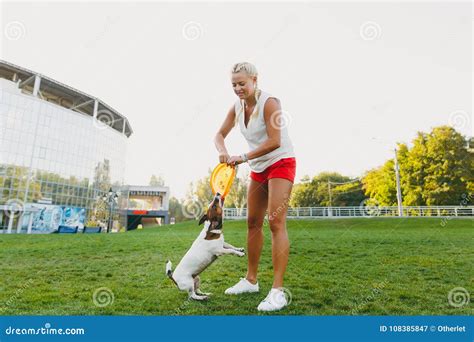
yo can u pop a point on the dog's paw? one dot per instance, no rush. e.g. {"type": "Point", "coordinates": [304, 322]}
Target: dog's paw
{"type": "Point", "coordinates": [240, 254]}
{"type": "Point", "coordinates": [241, 250]}
{"type": "Point", "coordinates": [199, 297]}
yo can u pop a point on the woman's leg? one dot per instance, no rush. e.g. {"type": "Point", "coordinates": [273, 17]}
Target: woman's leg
{"type": "Point", "coordinates": [279, 192]}
{"type": "Point", "coordinates": [257, 201]}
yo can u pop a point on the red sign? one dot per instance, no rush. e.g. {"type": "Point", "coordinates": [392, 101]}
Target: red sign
{"type": "Point", "coordinates": [140, 212]}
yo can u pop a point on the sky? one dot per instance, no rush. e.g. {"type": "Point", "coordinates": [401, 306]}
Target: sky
{"type": "Point", "coordinates": [354, 78]}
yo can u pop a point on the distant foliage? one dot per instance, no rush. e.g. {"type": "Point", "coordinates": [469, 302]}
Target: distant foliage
{"type": "Point", "coordinates": [156, 180]}
{"type": "Point", "coordinates": [325, 189]}
{"type": "Point", "coordinates": [437, 170]}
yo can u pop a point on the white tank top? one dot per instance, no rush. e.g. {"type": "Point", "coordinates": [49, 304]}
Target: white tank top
{"type": "Point", "coordinates": [256, 133]}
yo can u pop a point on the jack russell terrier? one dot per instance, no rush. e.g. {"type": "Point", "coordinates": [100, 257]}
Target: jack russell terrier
{"type": "Point", "coordinates": [204, 251]}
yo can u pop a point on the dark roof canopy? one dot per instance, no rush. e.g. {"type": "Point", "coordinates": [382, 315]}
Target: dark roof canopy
{"type": "Point", "coordinates": [65, 96]}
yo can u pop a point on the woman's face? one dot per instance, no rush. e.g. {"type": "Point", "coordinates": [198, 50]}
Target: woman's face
{"type": "Point", "coordinates": [243, 85]}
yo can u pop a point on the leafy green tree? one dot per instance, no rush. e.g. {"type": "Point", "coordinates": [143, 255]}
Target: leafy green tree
{"type": "Point", "coordinates": [201, 190]}
{"type": "Point", "coordinates": [470, 164]}
{"type": "Point", "coordinates": [448, 168]}
{"type": "Point", "coordinates": [175, 209]}
{"type": "Point", "coordinates": [380, 184]}
{"type": "Point", "coordinates": [436, 170]}
{"type": "Point", "coordinates": [237, 197]}
{"type": "Point", "coordinates": [325, 189]}
{"type": "Point", "coordinates": [349, 194]}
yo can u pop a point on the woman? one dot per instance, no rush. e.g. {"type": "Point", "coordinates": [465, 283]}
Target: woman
{"type": "Point", "coordinates": [272, 164]}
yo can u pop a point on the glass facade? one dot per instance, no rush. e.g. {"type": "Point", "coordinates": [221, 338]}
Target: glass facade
{"type": "Point", "coordinates": [54, 156]}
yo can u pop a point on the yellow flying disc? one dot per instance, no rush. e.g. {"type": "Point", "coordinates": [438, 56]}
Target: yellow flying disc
{"type": "Point", "coordinates": [222, 178]}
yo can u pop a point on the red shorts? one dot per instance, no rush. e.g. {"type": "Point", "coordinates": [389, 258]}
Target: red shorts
{"type": "Point", "coordinates": [284, 168]}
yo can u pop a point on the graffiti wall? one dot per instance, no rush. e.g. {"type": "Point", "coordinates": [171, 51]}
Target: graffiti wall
{"type": "Point", "coordinates": [49, 217]}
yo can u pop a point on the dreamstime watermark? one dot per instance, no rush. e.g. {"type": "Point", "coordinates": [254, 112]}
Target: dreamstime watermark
{"type": "Point", "coordinates": [14, 30]}
{"type": "Point", "coordinates": [376, 291]}
{"type": "Point", "coordinates": [16, 295]}
{"type": "Point", "coordinates": [369, 207]}
{"type": "Point", "coordinates": [459, 119]}
{"type": "Point", "coordinates": [192, 30]}
{"type": "Point", "coordinates": [280, 119]}
{"type": "Point", "coordinates": [282, 207]}
{"type": "Point", "coordinates": [46, 330]}
{"type": "Point", "coordinates": [182, 308]}
{"type": "Point", "coordinates": [466, 199]}
{"type": "Point", "coordinates": [105, 118]}
{"type": "Point", "coordinates": [282, 297]}
{"type": "Point", "coordinates": [102, 297]}
{"type": "Point", "coordinates": [193, 209]}
{"type": "Point", "coordinates": [14, 207]}
{"type": "Point", "coordinates": [458, 297]}
{"type": "Point", "coordinates": [370, 30]}
{"type": "Point", "coordinates": [109, 21]}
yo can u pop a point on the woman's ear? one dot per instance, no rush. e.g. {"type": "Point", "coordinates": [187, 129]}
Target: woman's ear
{"type": "Point", "coordinates": [203, 218]}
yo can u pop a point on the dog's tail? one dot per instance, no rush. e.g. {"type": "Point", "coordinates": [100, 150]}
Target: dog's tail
{"type": "Point", "coordinates": [169, 270]}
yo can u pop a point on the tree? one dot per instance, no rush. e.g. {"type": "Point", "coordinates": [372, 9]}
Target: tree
{"type": "Point", "coordinates": [156, 180]}
{"type": "Point", "coordinates": [303, 194]}
{"type": "Point", "coordinates": [470, 164]}
{"type": "Point", "coordinates": [380, 185]}
{"type": "Point", "coordinates": [14, 180]}
{"type": "Point", "coordinates": [436, 170]}
{"type": "Point", "coordinates": [325, 189]}
{"type": "Point", "coordinates": [202, 190]}
{"type": "Point", "coordinates": [237, 197]}
{"type": "Point", "coordinates": [448, 168]}
{"type": "Point", "coordinates": [349, 194]}
{"type": "Point", "coordinates": [175, 209]}
{"type": "Point", "coordinates": [102, 176]}
{"type": "Point", "coordinates": [197, 198]}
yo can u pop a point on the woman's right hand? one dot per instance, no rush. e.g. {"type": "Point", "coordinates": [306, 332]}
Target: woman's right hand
{"type": "Point", "coordinates": [222, 133]}
{"type": "Point", "coordinates": [223, 157]}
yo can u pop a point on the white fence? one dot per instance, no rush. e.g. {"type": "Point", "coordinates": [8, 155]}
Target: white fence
{"type": "Point", "coordinates": [363, 211]}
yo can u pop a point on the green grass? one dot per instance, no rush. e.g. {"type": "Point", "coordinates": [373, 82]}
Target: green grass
{"type": "Point", "coordinates": [337, 267]}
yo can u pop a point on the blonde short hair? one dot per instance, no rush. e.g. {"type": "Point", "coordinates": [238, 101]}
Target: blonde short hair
{"type": "Point", "coordinates": [247, 67]}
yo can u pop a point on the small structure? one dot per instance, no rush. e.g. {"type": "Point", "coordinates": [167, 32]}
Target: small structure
{"type": "Point", "coordinates": [139, 203]}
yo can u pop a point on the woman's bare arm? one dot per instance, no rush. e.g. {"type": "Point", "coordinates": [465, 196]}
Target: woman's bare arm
{"type": "Point", "coordinates": [222, 133]}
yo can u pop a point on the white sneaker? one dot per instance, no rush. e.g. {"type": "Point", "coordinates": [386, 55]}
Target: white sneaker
{"type": "Point", "coordinates": [275, 300]}
{"type": "Point", "coordinates": [243, 286]}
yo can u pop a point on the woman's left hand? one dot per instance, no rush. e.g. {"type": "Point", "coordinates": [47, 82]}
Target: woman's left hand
{"type": "Point", "coordinates": [235, 160]}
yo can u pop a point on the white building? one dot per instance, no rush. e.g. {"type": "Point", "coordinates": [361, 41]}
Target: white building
{"type": "Point", "coordinates": [60, 150]}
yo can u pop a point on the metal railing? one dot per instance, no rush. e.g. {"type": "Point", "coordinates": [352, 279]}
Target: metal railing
{"type": "Point", "coordinates": [364, 211]}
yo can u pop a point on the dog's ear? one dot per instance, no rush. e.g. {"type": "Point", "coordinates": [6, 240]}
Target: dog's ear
{"type": "Point", "coordinates": [203, 218]}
